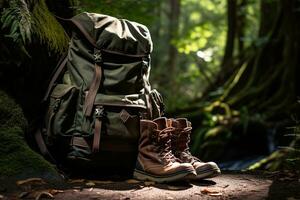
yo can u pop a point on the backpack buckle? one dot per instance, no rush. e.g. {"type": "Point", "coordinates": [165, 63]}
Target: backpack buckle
{"type": "Point", "coordinates": [97, 56]}
{"type": "Point", "coordinates": [99, 112]}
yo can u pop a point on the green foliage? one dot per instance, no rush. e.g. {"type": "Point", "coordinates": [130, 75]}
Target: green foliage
{"type": "Point", "coordinates": [22, 20]}
{"type": "Point", "coordinates": [137, 10]}
{"type": "Point", "coordinates": [285, 158]}
{"type": "Point", "coordinates": [18, 19]}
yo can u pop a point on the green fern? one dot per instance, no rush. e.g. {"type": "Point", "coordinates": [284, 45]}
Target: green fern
{"type": "Point", "coordinates": [17, 19]}
{"type": "Point", "coordinates": [25, 18]}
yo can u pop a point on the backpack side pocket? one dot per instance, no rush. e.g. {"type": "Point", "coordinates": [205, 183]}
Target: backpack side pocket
{"type": "Point", "coordinates": [158, 107]}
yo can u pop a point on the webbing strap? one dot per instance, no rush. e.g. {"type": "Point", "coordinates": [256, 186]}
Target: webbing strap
{"type": "Point", "coordinates": [92, 92]}
{"type": "Point", "coordinates": [55, 77]}
{"type": "Point", "coordinates": [42, 146]}
{"type": "Point", "coordinates": [97, 135]}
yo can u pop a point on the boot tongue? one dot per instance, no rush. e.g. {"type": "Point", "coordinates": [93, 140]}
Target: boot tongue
{"type": "Point", "coordinates": [182, 123]}
{"type": "Point", "coordinates": [161, 123]}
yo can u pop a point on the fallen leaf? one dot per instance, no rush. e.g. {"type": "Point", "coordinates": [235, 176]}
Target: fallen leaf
{"type": "Point", "coordinates": [91, 189]}
{"type": "Point", "coordinates": [225, 186]}
{"type": "Point", "coordinates": [54, 191]}
{"type": "Point", "coordinates": [132, 181]}
{"type": "Point", "coordinates": [77, 181]}
{"type": "Point", "coordinates": [102, 182]}
{"type": "Point", "coordinates": [211, 191]}
{"type": "Point", "coordinates": [44, 194]}
{"type": "Point", "coordinates": [148, 183]}
{"type": "Point", "coordinates": [216, 194]}
{"type": "Point", "coordinates": [23, 194]}
{"type": "Point", "coordinates": [31, 181]}
{"type": "Point", "coordinates": [90, 184]}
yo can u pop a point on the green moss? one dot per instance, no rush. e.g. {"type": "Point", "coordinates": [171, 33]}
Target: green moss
{"type": "Point", "coordinates": [17, 160]}
{"type": "Point", "coordinates": [48, 29]}
{"type": "Point", "coordinates": [10, 113]}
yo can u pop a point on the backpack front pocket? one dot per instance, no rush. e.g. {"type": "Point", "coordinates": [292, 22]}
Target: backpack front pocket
{"type": "Point", "coordinates": [61, 111]}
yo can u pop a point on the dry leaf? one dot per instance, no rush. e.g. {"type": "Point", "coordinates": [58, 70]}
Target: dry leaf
{"type": "Point", "coordinates": [91, 189]}
{"type": "Point", "coordinates": [77, 181]}
{"type": "Point", "coordinates": [216, 194]}
{"type": "Point", "coordinates": [31, 181]}
{"type": "Point", "coordinates": [54, 191]}
{"type": "Point", "coordinates": [170, 198]}
{"type": "Point", "coordinates": [211, 191]}
{"type": "Point", "coordinates": [44, 194]}
{"type": "Point", "coordinates": [132, 181]}
{"type": "Point", "coordinates": [102, 182]}
{"type": "Point", "coordinates": [23, 194]}
{"type": "Point", "coordinates": [90, 184]}
{"type": "Point", "coordinates": [148, 183]}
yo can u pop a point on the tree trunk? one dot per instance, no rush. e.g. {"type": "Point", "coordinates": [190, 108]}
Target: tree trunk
{"type": "Point", "coordinates": [173, 32]}
{"type": "Point", "coordinates": [231, 30]}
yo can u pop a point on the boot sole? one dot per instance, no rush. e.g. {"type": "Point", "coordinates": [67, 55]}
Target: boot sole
{"type": "Point", "coordinates": [144, 176]}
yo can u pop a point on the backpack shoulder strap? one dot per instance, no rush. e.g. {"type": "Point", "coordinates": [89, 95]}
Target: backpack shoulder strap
{"type": "Point", "coordinates": [61, 65]}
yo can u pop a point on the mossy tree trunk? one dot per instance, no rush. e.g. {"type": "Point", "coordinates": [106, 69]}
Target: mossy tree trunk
{"type": "Point", "coordinates": [27, 58]}
{"type": "Point", "coordinates": [264, 78]}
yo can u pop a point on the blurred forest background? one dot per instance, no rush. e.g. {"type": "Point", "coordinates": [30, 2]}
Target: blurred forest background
{"type": "Point", "coordinates": [230, 66]}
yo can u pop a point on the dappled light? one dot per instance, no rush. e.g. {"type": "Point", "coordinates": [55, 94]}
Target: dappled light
{"type": "Point", "coordinates": [132, 99]}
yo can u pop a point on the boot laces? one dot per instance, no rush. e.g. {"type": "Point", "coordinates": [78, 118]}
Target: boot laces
{"type": "Point", "coordinates": [183, 140]}
{"type": "Point", "coordinates": [164, 143]}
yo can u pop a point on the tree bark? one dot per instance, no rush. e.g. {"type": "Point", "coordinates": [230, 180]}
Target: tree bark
{"type": "Point", "coordinates": [231, 30]}
{"type": "Point", "coordinates": [173, 32]}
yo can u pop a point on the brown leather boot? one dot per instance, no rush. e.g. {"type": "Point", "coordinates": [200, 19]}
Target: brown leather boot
{"type": "Point", "coordinates": [180, 148]}
{"type": "Point", "coordinates": [155, 160]}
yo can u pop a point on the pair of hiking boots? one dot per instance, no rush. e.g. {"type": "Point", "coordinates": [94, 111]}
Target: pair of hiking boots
{"type": "Point", "coordinates": [164, 154]}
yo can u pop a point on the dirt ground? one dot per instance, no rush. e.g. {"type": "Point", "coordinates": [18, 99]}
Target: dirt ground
{"type": "Point", "coordinates": [227, 186]}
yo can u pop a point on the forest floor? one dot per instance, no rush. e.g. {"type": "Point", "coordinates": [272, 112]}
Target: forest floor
{"type": "Point", "coordinates": [229, 185]}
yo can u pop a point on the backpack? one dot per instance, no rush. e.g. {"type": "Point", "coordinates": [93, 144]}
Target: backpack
{"type": "Point", "coordinates": [99, 92]}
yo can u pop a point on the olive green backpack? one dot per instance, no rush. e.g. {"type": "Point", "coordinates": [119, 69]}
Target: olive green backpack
{"type": "Point", "coordinates": [99, 92]}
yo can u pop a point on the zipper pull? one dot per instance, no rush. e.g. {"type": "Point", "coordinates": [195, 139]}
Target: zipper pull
{"type": "Point", "coordinates": [56, 105]}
